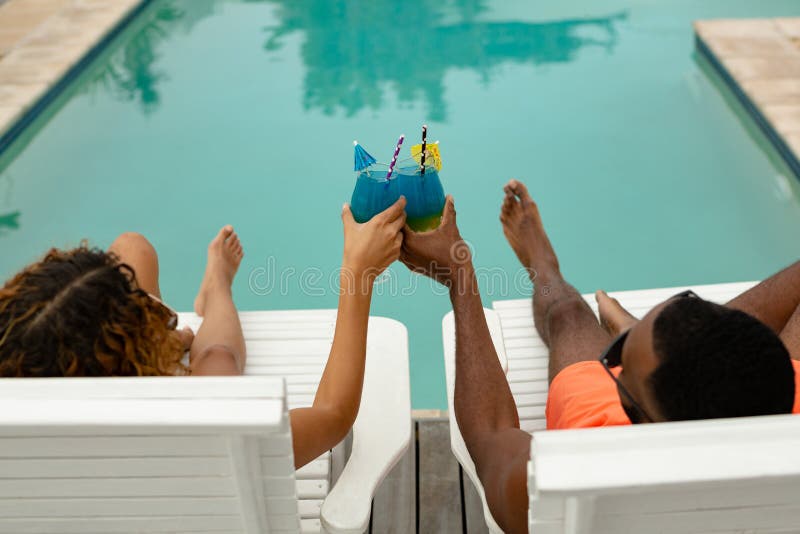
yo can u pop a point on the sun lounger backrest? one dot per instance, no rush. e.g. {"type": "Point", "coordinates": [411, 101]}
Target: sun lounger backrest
{"type": "Point", "coordinates": [182, 454]}
{"type": "Point", "coordinates": [734, 475]}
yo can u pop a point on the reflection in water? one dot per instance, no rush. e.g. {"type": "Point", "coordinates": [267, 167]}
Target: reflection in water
{"type": "Point", "coordinates": [350, 58]}
{"type": "Point", "coordinates": [353, 50]}
{"type": "Point", "coordinates": [130, 73]}
{"type": "Point", "coordinates": [9, 219]}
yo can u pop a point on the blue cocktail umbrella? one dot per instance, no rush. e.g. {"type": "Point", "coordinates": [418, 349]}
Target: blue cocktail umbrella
{"type": "Point", "coordinates": [362, 158]}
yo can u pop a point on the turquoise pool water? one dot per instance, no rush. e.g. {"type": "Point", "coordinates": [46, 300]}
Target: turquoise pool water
{"type": "Point", "coordinates": [206, 112]}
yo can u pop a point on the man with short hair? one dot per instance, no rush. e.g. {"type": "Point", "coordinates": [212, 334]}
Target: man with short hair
{"type": "Point", "coordinates": [686, 359]}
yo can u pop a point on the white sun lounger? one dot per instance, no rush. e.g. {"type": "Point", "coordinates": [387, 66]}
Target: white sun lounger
{"type": "Point", "coordinates": [163, 454]}
{"type": "Point", "coordinates": [295, 345]}
{"type": "Point", "coordinates": [524, 355]}
{"type": "Point", "coordinates": [202, 454]}
{"type": "Point", "coordinates": [726, 475]}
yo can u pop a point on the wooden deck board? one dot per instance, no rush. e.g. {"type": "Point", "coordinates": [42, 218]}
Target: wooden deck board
{"type": "Point", "coordinates": [439, 485]}
{"type": "Point", "coordinates": [443, 498]}
{"type": "Point", "coordinates": [394, 508]}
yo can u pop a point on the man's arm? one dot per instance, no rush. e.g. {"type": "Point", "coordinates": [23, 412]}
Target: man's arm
{"type": "Point", "coordinates": [484, 407]}
{"type": "Point", "coordinates": [790, 335]}
{"type": "Point", "coordinates": [774, 300]}
{"type": "Point", "coordinates": [486, 411]}
{"type": "Point", "coordinates": [776, 303]}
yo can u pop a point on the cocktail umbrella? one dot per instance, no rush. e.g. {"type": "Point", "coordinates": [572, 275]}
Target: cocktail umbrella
{"type": "Point", "coordinates": [362, 158]}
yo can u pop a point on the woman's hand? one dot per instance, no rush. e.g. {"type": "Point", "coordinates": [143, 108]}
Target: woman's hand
{"type": "Point", "coordinates": [369, 248]}
{"type": "Point", "coordinates": [186, 337]}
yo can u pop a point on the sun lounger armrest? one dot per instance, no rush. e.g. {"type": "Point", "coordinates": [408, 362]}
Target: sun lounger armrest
{"type": "Point", "coordinates": [382, 431]}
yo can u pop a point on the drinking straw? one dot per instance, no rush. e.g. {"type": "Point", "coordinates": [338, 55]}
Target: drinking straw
{"type": "Point", "coordinates": [424, 145]}
{"type": "Point", "coordinates": [394, 158]}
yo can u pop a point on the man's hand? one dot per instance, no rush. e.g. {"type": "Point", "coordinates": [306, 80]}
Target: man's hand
{"type": "Point", "coordinates": [440, 254]}
{"type": "Point", "coordinates": [369, 248]}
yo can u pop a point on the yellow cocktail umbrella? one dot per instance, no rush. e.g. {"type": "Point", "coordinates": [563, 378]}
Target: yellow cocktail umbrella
{"type": "Point", "coordinates": [431, 155]}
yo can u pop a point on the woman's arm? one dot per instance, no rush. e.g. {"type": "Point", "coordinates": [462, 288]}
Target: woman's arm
{"type": "Point", "coordinates": [323, 425]}
{"type": "Point", "coordinates": [369, 249]}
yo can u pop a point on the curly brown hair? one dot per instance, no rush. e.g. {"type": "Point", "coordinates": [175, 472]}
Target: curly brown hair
{"type": "Point", "coordinates": [80, 313]}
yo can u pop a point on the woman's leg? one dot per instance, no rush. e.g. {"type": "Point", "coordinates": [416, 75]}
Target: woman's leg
{"type": "Point", "coordinates": [218, 346]}
{"type": "Point", "coordinates": [135, 250]}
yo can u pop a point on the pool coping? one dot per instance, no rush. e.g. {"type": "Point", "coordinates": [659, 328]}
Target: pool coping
{"type": "Point", "coordinates": [759, 59]}
{"type": "Point", "coordinates": [46, 60]}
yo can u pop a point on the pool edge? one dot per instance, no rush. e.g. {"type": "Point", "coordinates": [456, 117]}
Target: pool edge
{"type": "Point", "coordinates": [753, 109]}
{"type": "Point", "coordinates": [32, 110]}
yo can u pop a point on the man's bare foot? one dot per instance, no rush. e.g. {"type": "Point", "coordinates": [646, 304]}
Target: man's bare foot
{"type": "Point", "coordinates": [523, 228]}
{"type": "Point", "coordinates": [614, 318]}
{"type": "Point", "coordinates": [224, 256]}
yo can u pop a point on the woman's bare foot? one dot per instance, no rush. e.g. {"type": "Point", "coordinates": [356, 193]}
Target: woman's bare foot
{"type": "Point", "coordinates": [523, 228]}
{"type": "Point", "coordinates": [224, 256]}
{"type": "Point", "coordinates": [614, 318]}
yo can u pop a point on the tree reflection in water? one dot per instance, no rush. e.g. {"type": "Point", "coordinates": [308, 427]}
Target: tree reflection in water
{"type": "Point", "coordinates": [9, 218]}
{"type": "Point", "coordinates": [353, 51]}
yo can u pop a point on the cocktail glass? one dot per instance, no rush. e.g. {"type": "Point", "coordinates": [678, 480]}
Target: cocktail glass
{"type": "Point", "coordinates": [424, 194]}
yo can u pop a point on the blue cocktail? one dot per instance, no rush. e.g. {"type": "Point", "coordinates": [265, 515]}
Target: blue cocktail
{"type": "Point", "coordinates": [424, 195]}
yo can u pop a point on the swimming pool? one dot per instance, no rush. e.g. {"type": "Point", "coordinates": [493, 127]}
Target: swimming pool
{"type": "Point", "coordinates": [206, 112]}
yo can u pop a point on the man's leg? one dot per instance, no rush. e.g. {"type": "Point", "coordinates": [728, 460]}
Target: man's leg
{"type": "Point", "coordinates": [774, 300]}
{"type": "Point", "coordinates": [485, 409]}
{"type": "Point", "coordinates": [613, 317]}
{"type": "Point", "coordinates": [563, 319]}
{"type": "Point", "coordinates": [136, 251]}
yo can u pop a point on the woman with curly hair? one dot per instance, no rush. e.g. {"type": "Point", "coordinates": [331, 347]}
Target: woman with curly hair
{"type": "Point", "coordinates": [89, 312]}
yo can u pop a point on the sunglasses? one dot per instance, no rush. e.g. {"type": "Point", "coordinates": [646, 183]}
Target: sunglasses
{"type": "Point", "coordinates": [612, 357]}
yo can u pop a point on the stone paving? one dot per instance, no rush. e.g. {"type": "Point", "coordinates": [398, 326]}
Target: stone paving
{"type": "Point", "coordinates": [762, 56]}
{"type": "Point", "coordinates": [40, 40]}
